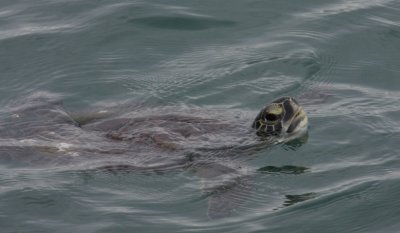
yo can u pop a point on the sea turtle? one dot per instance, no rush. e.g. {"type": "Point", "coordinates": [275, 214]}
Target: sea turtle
{"type": "Point", "coordinates": [210, 142]}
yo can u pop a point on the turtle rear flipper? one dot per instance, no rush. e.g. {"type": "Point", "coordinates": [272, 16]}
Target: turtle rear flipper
{"type": "Point", "coordinates": [32, 115]}
{"type": "Point", "coordinates": [41, 107]}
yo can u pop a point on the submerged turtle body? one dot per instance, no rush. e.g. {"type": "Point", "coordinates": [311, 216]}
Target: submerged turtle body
{"type": "Point", "coordinates": [147, 135]}
{"type": "Point", "coordinates": [171, 128]}
{"type": "Point", "coordinates": [173, 131]}
{"type": "Point", "coordinates": [206, 141]}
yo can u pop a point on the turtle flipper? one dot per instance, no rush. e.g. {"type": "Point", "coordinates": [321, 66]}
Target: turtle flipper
{"type": "Point", "coordinates": [39, 108]}
{"type": "Point", "coordinates": [226, 187]}
{"type": "Point", "coordinates": [41, 113]}
{"type": "Point", "coordinates": [226, 199]}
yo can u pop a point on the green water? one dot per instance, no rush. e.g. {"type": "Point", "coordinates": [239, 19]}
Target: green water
{"type": "Point", "coordinates": [222, 60]}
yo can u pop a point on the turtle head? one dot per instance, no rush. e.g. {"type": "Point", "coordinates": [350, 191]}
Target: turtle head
{"type": "Point", "coordinates": [284, 116]}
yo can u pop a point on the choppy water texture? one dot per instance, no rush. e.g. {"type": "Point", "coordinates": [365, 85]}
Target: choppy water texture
{"type": "Point", "coordinates": [211, 65]}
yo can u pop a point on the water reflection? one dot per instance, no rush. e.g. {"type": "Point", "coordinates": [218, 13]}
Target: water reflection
{"type": "Point", "coordinates": [296, 143]}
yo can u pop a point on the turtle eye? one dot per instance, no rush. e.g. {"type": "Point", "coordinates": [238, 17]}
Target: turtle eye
{"type": "Point", "coordinates": [271, 117]}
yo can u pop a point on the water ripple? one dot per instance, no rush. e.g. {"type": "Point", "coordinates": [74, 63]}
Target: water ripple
{"type": "Point", "coordinates": [338, 57]}
{"type": "Point", "coordinates": [182, 23]}
{"type": "Point", "coordinates": [346, 7]}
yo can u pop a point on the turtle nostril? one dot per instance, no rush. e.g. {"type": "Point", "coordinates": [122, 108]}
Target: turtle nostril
{"type": "Point", "coordinates": [271, 117]}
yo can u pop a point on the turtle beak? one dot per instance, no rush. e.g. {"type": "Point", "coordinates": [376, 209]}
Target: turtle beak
{"type": "Point", "coordinates": [299, 122]}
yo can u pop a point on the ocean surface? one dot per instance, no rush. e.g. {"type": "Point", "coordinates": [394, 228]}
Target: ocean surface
{"type": "Point", "coordinates": [193, 75]}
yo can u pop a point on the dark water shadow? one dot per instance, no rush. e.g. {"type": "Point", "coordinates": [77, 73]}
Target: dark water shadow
{"type": "Point", "coordinates": [286, 169]}
{"type": "Point", "coordinates": [182, 23]}
{"type": "Point", "coordinates": [294, 199]}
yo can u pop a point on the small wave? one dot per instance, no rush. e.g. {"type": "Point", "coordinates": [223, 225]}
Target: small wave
{"type": "Point", "coordinates": [33, 29]}
{"type": "Point", "coordinates": [345, 7]}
